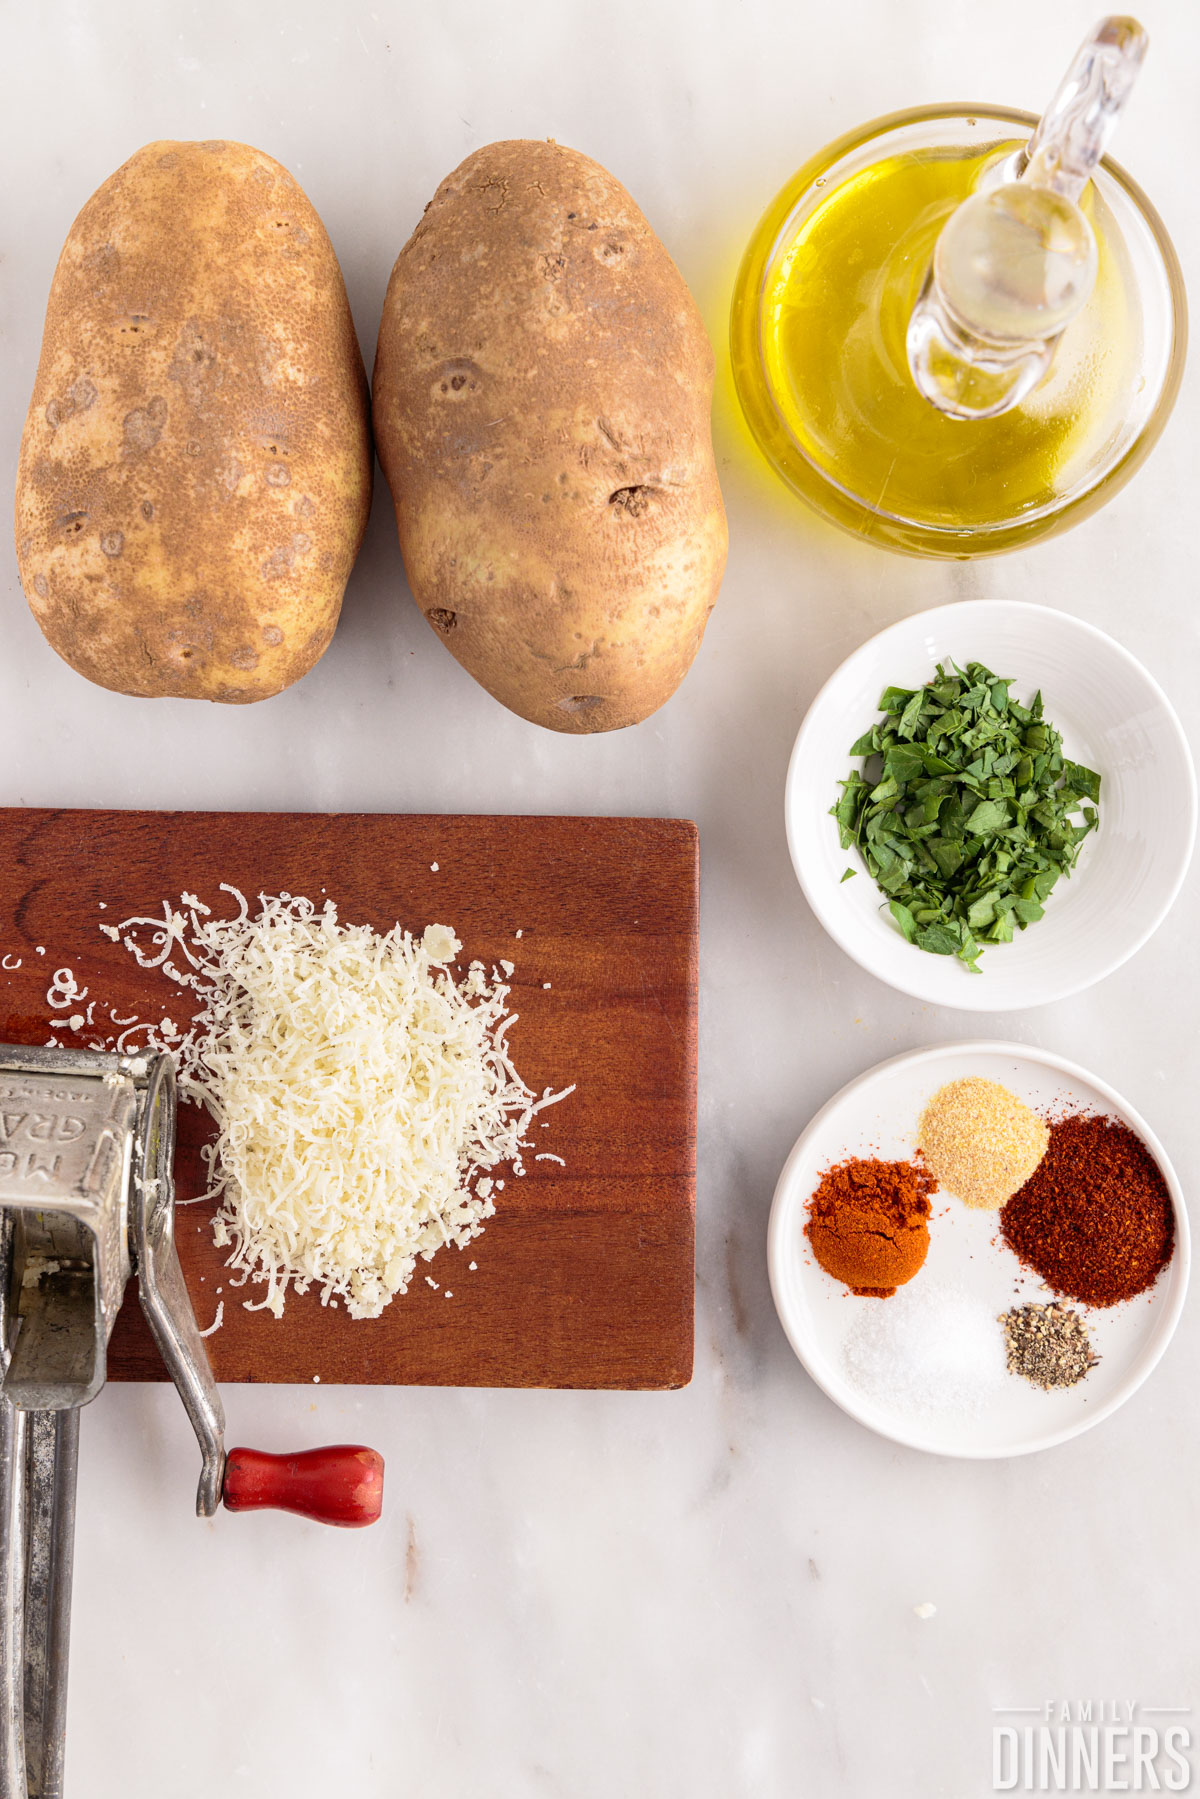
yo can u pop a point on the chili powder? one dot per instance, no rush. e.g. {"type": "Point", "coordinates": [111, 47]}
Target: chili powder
{"type": "Point", "coordinates": [1095, 1219]}
{"type": "Point", "coordinates": [867, 1223]}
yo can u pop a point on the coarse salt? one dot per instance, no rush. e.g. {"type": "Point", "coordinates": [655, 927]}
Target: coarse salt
{"type": "Point", "coordinates": [930, 1350]}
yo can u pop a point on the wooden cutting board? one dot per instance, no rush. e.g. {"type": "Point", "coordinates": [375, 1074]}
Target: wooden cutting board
{"type": "Point", "coordinates": [584, 1277]}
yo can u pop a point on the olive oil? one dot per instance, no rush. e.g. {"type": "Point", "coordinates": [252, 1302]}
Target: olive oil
{"type": "Point", "coordinates": [835, 311]}
{"type": "Point", "coordinates": [820, 318]}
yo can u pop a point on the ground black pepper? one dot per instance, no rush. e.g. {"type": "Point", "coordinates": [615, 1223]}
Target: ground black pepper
{"type": "Point", "coordinates": [1048, 1346]}
{"type": "Point", "coordinates": [1095, 1219]}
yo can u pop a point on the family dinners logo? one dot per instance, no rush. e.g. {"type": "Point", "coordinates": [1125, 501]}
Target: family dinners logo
{"type": "Point", "coordinates": [1091, 1746]}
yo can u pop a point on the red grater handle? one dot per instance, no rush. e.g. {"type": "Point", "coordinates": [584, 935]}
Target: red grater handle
{"type": "Point", "coordinates": [340, 1484]}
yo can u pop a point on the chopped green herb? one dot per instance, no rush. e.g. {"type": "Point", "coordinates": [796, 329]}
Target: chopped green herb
{"type": "Point", "coordinates": [848, 875]}
{"type": "Point", "coordinates": [966, 811]}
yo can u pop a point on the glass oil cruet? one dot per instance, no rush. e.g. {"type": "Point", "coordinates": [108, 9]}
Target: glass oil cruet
{"type": "Point", "coordinates": [960, 328]}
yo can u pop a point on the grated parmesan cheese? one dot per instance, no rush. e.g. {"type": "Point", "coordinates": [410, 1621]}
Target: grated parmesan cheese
{"type": "Point", "coordinates": [359, 1092]}
{"type": "Point", "coordinates": [63, 990]}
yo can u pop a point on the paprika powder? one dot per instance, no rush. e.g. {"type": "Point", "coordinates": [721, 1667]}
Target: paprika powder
{"type": "Point", "coordinates": [1095, 1218]}
{"type": "Point", "coordinates": [868, 1224]}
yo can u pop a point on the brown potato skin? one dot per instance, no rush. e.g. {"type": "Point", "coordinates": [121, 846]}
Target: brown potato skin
{"type": "Point", "coordinates": [195, 471]}
{"type": "Point", "coordinates": [542, 409]}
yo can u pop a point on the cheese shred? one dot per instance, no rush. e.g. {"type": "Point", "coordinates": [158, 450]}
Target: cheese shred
{"type": "Point", "coordinates": [361, 1094]}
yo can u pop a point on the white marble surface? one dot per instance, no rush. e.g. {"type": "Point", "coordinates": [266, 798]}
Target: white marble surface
{"type": "Point", "coordinates": [706, 1594]}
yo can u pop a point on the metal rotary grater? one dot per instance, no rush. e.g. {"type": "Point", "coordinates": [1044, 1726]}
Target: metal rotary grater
{"type": "Point", "coordinates": [87, 1198]}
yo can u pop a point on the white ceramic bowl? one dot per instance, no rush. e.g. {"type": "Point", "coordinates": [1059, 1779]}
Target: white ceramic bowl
{"type": "Point", "coordinates": [878, 1115]}
{"type": "Point", "coordinates": [1113, 717]}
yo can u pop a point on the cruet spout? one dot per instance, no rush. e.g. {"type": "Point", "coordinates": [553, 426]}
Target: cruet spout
{"type": "Point", "coordinates": [1017, 260]}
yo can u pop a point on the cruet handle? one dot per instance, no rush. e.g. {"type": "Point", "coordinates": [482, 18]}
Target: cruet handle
{"type": "Point", "coordinates": [1076, 126]}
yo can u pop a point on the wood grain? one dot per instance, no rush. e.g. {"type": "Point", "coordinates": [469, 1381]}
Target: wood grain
{"type": "Point", "coordinates": [585, 1276]}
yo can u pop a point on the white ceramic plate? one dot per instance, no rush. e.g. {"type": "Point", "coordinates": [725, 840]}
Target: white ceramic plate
{"type": "Point", "coordinates": [1113, 717]}
{"type": "Point", "coordinates": [877, 1115]}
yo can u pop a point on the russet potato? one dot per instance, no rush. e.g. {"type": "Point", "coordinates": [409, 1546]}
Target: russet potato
{"type": "Point", "coordinates": [195, 472]}
{"type": "Point", "coordinates": [542, 399]}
